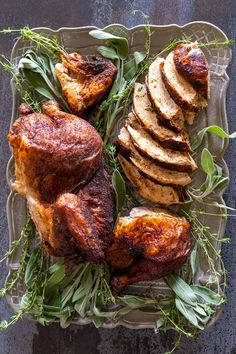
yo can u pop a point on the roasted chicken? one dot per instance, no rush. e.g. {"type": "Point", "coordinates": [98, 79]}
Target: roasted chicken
{"type": "Point", "coordinates": [84, 83]}
{"type": "Point", "coordinates": [59, 169]}
{"type": "Point", "coordinates": [149, 244]}
{"type": "Point", "coordinates": [54, 152]}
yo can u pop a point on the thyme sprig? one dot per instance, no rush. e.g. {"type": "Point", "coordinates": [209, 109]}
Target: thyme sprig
{"type": "Point", "coordinates": [26, 238]}
{"type": "Point", "coordinates": [24, 88]}
{"type": "Point", "coordinates": [49, 44]}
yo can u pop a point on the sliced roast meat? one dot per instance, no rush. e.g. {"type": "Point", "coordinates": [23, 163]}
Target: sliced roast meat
{"type": "Point", "coordinates": [147, 189]}
{"type": "Point", "coordinates": [158, 173]}
{"type": "Point", "coordinates": [181, 90]}
{"type": "Point", "coordinates": [149, 168]}
{"type": "Point", "coordinates": [147, 117]}
{"type": "Point", "coordinates": [191, 63]}
{"type": "Point", "coordinates": [175, 160]}
{"type": "Point", "coordinates": [169, 113]}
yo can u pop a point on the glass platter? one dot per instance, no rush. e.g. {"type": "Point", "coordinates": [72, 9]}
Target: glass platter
{"type": "Point", "coordinates": [78, 39]}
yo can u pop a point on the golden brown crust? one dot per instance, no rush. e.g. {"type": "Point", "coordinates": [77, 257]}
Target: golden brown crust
{"type": "Point", "coordinates": [159, 237]}
{"type": "Point", "coordinates": [145, 270]}
{"type": "Point", "coordinates": [53, 153]}
{"type": "Point", "coordinates": [86, 219]}
{"type": "Point", "coordinates": [191, 63]}
{"type": "Point", "coordinates": [157, 241]}
{"type": "Point", "coordinates": [84, 83]}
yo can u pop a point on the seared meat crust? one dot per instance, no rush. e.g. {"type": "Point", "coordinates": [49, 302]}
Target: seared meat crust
{"type": "Point", "coordinates": [191, 63]}
{"type": "Point", "coordinates": [147, 245]}
{"type": "Point", "coordinates": [53, 153]}
{"type": "Point", "coordinates": [84, 83]}
{"type": "Point", "coordinates": [56, 153]}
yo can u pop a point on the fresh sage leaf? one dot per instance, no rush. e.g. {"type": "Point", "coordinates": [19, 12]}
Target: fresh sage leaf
{"type": "Point", "coordinates": [187, 312]}
{"type": "Point", "coordinates": [119, 43]}
{"type": "Point", "coordinates": [56, 277]}
{"type": "Point", "coordinates": [214, 129]}
{"type": "Point", "coordinates": [209, 296]}
{"type": "Point", "coordinates": [207, 162]}
{"type": "Point", "coordinates": [118, 184]}
{"type": "Point", "coordinates": [181, 289]}
{"type": "Point", "coordinates": [194, 260]}
{"type": "Point", "coordinates": [107, 52]}
{"type": "Point", "coordinates": [159, 323]}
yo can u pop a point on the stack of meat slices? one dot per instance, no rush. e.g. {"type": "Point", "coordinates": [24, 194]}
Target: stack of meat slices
{"type": "Point", "coordinates": [154, 149]}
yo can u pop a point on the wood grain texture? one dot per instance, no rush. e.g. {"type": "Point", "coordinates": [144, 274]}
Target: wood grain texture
{"type": "Point", "coordinates": [27, 337]}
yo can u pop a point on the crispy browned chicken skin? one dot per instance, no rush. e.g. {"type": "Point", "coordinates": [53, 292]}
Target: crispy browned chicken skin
{"type": "Point", "coordinates": [149, 243]}
{"type": "Point", "coordinates": [84, 83]}
{"type": "Point", "coordinates": [191, 63]}
{"type": "Point", "coordinates": [59, 169]}
{"type": "Point", "coordinates": [54, 152]}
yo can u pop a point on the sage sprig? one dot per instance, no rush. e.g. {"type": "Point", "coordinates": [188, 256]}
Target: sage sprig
{"type": "Point", "coordinates": [197, 140]}
{"type": "Point", "coordinates": [38, 70]}
{"type": "Point", "coordinates": [214, 178]}
{"type": "Point", "coordinates": [118, 182]}
{"type": "Point", "coordinates": [127, 73]}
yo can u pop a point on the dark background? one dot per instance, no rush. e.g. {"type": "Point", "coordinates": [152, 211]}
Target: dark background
{"type": "Point", "coordinates": [27, 337]}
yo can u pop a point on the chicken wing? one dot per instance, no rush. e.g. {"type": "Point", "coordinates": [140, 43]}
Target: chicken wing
{"type": "Point", "coordinates": [84, 83]}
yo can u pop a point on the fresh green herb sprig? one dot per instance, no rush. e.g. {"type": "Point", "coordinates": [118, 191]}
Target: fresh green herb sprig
{"type": "Point", "coordinates": [26, 238]}
{"type": "Point", "coordinates": [24, 88]}
{"type": "Point", "coordinates": [35, 275]}
{"type": "Point", "coordinates": [127, 74]}
{"type": "Point", "coordinates": [214, 178]}
{"type": "Point", "coordinates": [118, 182]}
{"type": "Point", "coordinates": [38, 71]}
{"type": "Point", "coordinates": [197, 140]}
{"type": "Point", "coordinates": [49, 44]}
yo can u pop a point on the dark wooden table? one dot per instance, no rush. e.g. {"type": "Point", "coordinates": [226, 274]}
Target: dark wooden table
{"type": "Point", "coordinates": [27, 337]}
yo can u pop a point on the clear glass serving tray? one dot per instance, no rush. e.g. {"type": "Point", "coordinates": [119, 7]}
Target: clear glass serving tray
{"type": "Point", "coordinates": [78, 39]}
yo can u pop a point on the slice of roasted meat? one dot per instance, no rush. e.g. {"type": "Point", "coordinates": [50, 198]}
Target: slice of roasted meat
{"type": "Point", "coordinates": [157, 241]}
{"type": "Point", "coordinates": [54, 152]}
{"type": "Point", "coordinates": [169, 113]}
{"type": "Point", "coordinates": [148, 118]}
{"type": "Point", "coordinates": [147, 167]}
{"type": "Point", "coordinates": [181, 89]}
{"type": "Point", "coordinates": [175, 160]}
{"type": "Point", "coordinates": [84, 82]}
{"type": "Point", "coordinates": [192, 64]}
{"type": "Point", "coordinates": [147, 189]}
{"type": "Point", "coordinates": [59, 169]}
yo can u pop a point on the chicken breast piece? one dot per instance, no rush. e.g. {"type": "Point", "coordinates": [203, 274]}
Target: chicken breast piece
{"type": "Point", "coordinates": [147, 245]}
{"type": "Point", "coordinates": [147, 189]}
{"type": "Point", "coordinates": [147, 117]}
{"type": "Point", "coordinates": [84, 83]}
{"type": "Point", "coordinates": [147, 167]}
{"type": "Point", "coordinates": [54, 152]}
{"type": "Point", "coordinates": [192, 64]}
{"type": "Point", "coordinates": [175, 160]}
{"type": "Point", "coordinates": [180, 89]}
{"type": "Point", "coordinates": [169, 113]}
